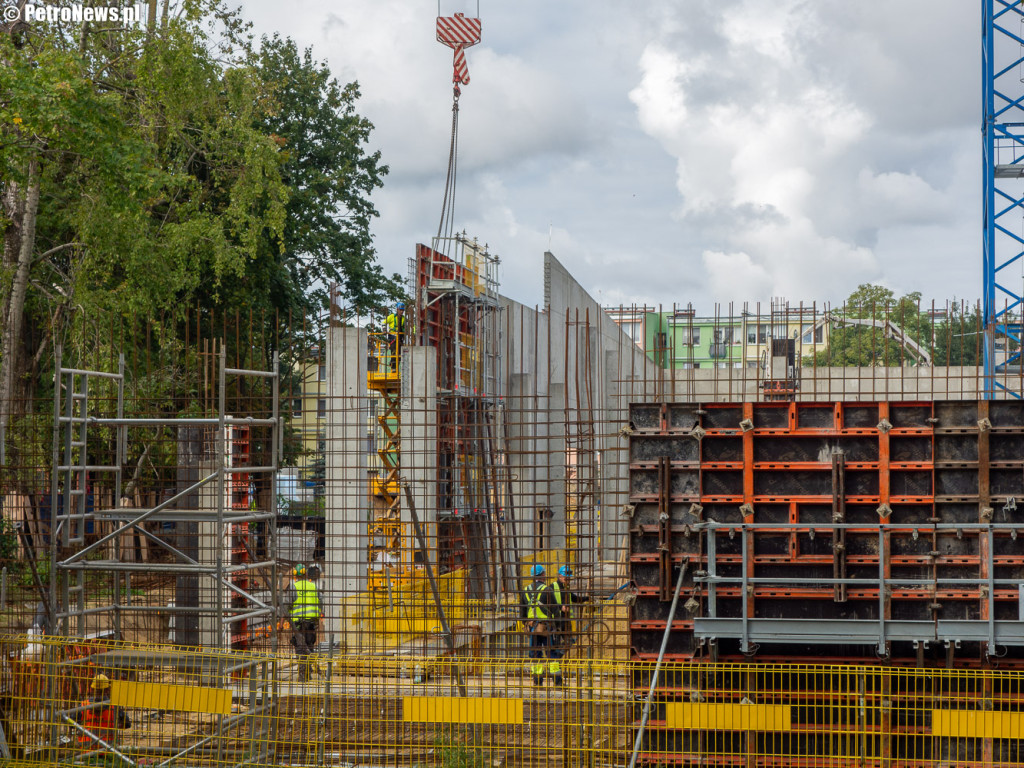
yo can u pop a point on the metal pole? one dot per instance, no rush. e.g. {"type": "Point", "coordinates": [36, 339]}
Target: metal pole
{"type": "Point", "coordinates": [657, 668]}
{"type": "Point", "coordinates": [448, 635]}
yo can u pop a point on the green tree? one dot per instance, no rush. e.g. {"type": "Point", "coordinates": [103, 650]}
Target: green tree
{"type": "Point", "coordinates": [870, 328]}
{"type": "Point", "coordinates": [330, 176]}
{"type": "Point", "coordinates": [146, 171]}
{"type": "Point", "coordinates": [958, 337]}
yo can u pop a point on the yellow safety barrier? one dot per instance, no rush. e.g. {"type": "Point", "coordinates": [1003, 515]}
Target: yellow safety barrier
{"type": "Point", "coordinates": [462, 709]}
{"type": "Point", "coordinates": [67, 701]}
{"type": "Point", "coordinates": [181, 698]}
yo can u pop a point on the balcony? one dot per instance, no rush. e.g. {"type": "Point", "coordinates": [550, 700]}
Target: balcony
{"type": "Point", "coordinates": [718, 351]}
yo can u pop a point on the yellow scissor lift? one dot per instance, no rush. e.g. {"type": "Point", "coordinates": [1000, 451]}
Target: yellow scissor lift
{"type": "Point", "coordinates": [386, 556]}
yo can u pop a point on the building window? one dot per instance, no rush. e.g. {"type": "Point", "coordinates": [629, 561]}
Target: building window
{"type": "Point", "coordinates": [757, 334]}
{"type": "Point", "coordinates": [687, 335]}
{"type": "Point", "coordinates": [297, 408]}
{"type": "Point", "coordinates": [321, 374]}
{"type": "Point", "coordinates": [818, 338]}
{"type": "Point", "coordinates": [723, 336]}
{"type": "Point", "coordinates": [321, 408]}
{"type": "Point", "coordinates": [751, 363]}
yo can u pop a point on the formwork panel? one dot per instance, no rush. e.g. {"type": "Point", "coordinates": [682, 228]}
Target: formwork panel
{"type": "Point", "coordinates": [884, 533]}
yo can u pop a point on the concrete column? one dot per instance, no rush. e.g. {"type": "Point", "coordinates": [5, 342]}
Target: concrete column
{"type": "Point", "coordinates": [419, 446]}
{"type": "Point", "coordinates": [347, 495]}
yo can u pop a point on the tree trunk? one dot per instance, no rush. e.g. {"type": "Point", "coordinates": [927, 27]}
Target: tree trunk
{"type": "Point", "coordinates": [13, 202]}
{"type": "Point", "coordinates": [10, 351]}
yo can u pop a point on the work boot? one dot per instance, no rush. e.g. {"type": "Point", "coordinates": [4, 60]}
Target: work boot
{"type": "Point", "coordinates": [538, 680]}
{"type": "Point", "coordinates": [558, 681]}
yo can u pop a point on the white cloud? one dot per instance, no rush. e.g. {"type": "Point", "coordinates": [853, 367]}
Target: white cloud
{"type": "Point", "coordinates": [806, 145]}
{"type": "Point", "coordinates": [735, 276]}
{"type": "Point", "coordinates": [776, 152]}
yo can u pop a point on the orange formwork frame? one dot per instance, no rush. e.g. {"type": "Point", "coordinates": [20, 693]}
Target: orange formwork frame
{"type": "Point", "coordinates": [843, 531]}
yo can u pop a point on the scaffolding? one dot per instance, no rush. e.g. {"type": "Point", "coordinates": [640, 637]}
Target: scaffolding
{"type": "Point", "coordinates": [208, 527]}
{"type": "Point", "coordinates": [459, 314]}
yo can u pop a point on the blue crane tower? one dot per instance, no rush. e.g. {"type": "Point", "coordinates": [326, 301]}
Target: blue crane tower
{"type": "Point", "coordinates": [1003, 179]}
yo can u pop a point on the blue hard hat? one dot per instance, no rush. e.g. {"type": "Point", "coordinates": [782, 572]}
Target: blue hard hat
{"type": "Point", "coordinates": [565, 571]}
{"type": "Point", "coordinates": [400, 305]}
{"type": "Point", "coordinates": [538, 570]}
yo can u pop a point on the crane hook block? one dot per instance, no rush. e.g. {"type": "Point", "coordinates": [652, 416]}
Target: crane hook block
{"type": "Point", "coordinates": [459, 32]}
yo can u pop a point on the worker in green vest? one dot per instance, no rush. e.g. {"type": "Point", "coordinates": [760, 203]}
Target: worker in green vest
{"type": "Point", "coordinates": [537, 611]}
{"type": "Point", "coordinates": [396, 333]}
{"type": "Point", "coordinates": [302, 601]}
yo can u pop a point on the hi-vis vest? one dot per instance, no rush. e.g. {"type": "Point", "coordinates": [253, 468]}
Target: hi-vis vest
{"type": "Point", "coordinates": [535, 611]}
{"type": "Point", "coordinates": [396, 324]}
{"type": "Point", "coordinates": [557, 588]}
{"type": "Point", "coordinates": [99, 721]}
{"type": "Point", "coordinates": [307, 604]}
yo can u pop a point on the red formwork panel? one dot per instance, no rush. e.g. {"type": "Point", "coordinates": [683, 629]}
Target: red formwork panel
{"type": "Point", "coordinates": [802, 523]}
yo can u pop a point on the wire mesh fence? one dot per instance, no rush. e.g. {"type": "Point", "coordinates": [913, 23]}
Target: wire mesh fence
{"type": "Point", "coordinates": [194, 468]}
{"type": "Point", "coordinates": [104, 702]}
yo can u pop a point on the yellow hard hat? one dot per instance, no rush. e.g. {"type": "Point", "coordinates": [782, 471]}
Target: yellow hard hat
{"type": "Point", "coordinates": [100, 683]}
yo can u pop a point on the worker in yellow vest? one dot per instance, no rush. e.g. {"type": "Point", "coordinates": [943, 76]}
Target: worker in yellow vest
{"type": "Point", "coordinates": [563, 598]}
{"type": "Point", "coordinates": [302, 601]}
{"type": "Point", "coordinates": [537, 612]}
{"type": "Point", "coordinates": [396, 333]}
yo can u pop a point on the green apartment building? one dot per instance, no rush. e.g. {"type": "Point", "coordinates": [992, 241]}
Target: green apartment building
{"type": "Point", "coordinates": [681, 339]}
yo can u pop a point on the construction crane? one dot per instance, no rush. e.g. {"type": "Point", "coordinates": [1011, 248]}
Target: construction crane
{"type": "Point", "coordinates": [389, 555]}
{"type": "Point", "coordinates": [1003, 151]}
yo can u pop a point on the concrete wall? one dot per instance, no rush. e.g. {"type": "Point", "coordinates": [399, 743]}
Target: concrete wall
{"type": "Point", "coordinates": [570, 372]}
{"type": "Point", "coordinates": [568, 375]}
{"type": "Point", "coordinates": [346, 466]}
{"type": "Point", "coordinates": [419, 446]}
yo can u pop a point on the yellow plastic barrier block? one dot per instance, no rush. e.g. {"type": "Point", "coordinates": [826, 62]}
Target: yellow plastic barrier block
{"type": "Point", "coordinates": [972, 723]}
{"type": "Point", "coordinates": [462, 709]}
{"type": "Point", "coordinates": [180, 698]}
{"type": "Point", "coordinates": [728, 717]}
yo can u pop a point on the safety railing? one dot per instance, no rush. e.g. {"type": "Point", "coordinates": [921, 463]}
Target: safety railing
{"type": "Point", "coordinates": [383, 357]}
{"type": "Point", "coordinates": [995, 629]}
{"type": "Point", "coordinates": [88, 702]}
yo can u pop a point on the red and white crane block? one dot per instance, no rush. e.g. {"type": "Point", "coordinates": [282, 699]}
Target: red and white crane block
{"type": "Point", "coordinates": [459, 32]}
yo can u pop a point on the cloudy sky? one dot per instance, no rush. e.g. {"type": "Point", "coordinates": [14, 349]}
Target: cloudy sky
{"type": "Point", "coordinates": [674, 151]}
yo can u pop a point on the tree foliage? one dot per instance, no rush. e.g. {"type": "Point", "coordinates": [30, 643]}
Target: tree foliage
{"type": "Point", "coordinates": [874, 327]}
{"type": "Point", "coordinates": [329, 175]}
{"type": "Point", "coordinates": [175, 170]}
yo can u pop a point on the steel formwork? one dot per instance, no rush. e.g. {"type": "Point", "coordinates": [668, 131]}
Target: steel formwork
{"type": "Point", "coordinates": [806, 531]}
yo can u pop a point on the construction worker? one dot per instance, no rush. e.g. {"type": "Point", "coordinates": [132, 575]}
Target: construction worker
{"type": "Point", "coordinates": [99, 717]}
{"type": "Point", "coordinates": [302, 601]}
{"type": "Point", "coordinates": [563, 598]}
{"type": "Point", "coordinates": [537, 612]}
{"type": "Point", "coordinates": [396, 332]}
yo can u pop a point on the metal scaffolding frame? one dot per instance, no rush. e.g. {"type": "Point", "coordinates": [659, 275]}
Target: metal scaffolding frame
{"type": "Point", "coordinates": [220, 524]}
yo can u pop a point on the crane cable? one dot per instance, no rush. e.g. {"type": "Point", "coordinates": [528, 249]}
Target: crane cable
{"type": "Point", "coordinates": [444, 227]}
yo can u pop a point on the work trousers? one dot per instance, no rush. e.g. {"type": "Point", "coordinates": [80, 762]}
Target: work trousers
{"type": "Point", "coordinates": [304, 639]}
{"type": "Point", "coordinates": [541, 646]}
{"type": "Point", "coordinates": [395, 347]}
